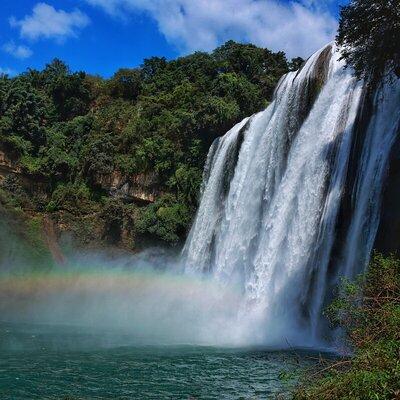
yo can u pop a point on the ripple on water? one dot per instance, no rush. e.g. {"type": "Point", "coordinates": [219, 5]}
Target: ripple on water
{"type": "Point", "coordinates": [53, 364]}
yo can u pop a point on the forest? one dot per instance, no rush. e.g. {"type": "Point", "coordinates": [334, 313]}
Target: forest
{"type": "Point", "coordinates": [69, 130]}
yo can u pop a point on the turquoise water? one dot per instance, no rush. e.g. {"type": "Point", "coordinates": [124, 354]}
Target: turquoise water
{"type": "Point", "coordinates": [42, 362]}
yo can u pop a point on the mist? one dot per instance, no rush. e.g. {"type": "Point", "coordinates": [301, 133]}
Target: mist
{"type": "Point", "coordinates": [143, 299]}
{"type": "Point", "coordinates": [110, 298]}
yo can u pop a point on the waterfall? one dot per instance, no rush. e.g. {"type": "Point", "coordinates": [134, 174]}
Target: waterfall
{"type": "Point", "coordinates": [271, 198]}
{"type": "Point", "coordinates": [379, 138]}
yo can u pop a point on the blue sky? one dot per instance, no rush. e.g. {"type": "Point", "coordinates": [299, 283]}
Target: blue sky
{"type": "Point", "coordinates": [100, 36]}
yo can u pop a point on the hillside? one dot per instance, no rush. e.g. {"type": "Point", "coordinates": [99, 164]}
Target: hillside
{"type": "Point", "coordinates": [120, 160]}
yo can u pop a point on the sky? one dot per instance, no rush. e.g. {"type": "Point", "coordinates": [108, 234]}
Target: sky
{"type": "Point", "coordinates": [101, 36]}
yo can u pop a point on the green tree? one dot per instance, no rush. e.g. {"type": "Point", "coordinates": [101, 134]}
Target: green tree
{"type": "Point", "coordinates": [156, 121]}
{"type": "Point", "coordinates": [166, 219]}
{"type": "Point", "coordinates": [23, 114]}
{"type": "Point", "coordinates": [151, 66]}
{"type": "Point", "coordinates": [369, 33]}
{"type": "Point", "coordinates": [126, 84]}
{"type": "Point", "coordinates": [70, 92]}
{"type": "Point", "coordinates": [296, 63]}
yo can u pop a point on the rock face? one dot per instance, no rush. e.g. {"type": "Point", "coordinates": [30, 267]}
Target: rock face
{"type": "Point", "coordinates": [7, 165]}
{"type": "Point", "coordinates": [140, 188]}
{"type": "Point", "coordinates": [88, 227]}
{"type": "Point", "coordinates": [388, 237]}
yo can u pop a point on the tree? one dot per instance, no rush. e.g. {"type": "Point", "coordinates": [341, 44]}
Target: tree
{"type": "Point", "coordinates": [158, 120]}
{"type": "Point", "coordinates": [23, 114]}
{"type": "Point", "coordinates": [151, 66]}
{"type": "Point", "coordinates": [166, 219]}
{"type": "Point", "coordinates": [296, 63]}
{"type": "Point", "coordinates": [126, 84]}
{"type": "Point", "coordinates": [70, 92]}
{"type": "Point", "coordinates": [369, 34]}
{"type": "Point", "coordinates": [368, 313]}
{"type": "Point", "coordinates": [236, 87]}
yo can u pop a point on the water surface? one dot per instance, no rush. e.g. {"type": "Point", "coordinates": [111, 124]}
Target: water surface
{"type": "Point", "coordinates": [45, 362]}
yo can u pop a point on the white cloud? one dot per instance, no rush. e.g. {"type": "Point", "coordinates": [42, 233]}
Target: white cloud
{"type": "Point", "coordinates": [7, 71]}
{"type": "Point", "coordinates": [47, 22]}
{"type": "Point", "coordinates": [297, 27]}
{"type": "Point", "coordinates": [18, 51]}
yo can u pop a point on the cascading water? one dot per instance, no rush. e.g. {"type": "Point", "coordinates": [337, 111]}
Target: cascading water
{"type": "Point", "coordinates": [271, 198]}
{"type": "Point", "coordinates": [379, 139]}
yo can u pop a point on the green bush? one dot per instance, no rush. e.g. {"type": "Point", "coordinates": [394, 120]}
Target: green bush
{"type": "Point", "coordinates": [368, 311]}
{"type": "Point", "coordinates": [71, 196]}
{"type": "Point", "coordinates": [165, 220]}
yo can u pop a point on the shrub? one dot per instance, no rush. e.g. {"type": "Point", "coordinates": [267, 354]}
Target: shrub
{"type": "Point", "coordinates": [166, 219]}
{"type": "Point", "coordinates": [368, 312]}
{"type": "Point", "coordinates": [70, 196]}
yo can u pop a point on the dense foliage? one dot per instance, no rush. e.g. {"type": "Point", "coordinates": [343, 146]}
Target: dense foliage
{"type": "Point", "coordinates": [369, 33]}
{"type": "Point", "coordinates": [369, 313]}
{"type": "Point", "coordinates": [72, 129]}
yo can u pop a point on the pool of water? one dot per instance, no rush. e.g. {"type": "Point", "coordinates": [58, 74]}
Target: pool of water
{"type": "Point", "coordinates": [45, 362]}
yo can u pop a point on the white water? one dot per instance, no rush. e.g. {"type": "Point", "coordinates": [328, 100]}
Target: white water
{"type": "Point", "coordinates": [379, 139]}
{"type": "Point", "coordinates": [271, 197]}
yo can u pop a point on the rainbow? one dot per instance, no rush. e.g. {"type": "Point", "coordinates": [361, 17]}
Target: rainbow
{"type": "Point", "coordinates": [99, 280]}
{"type": "Point", "coordinates": [173, 307]}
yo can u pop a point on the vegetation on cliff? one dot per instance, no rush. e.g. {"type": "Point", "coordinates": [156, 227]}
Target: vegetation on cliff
{"type": "Point", "coordinates": [71, 130]}
{"type": "Point", "coordinates": [368, 312]}
{"type": "Point", "coordinates": [369, 33]}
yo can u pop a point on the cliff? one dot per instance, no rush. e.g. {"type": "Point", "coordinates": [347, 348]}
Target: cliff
{"type": "Point", "coordinates": [140, 188]}
{"type": "Point", "coordinates": [88, 223]}
{"type": "Point", "coordinates": [388, 236]}
{"type": "Point", "coordinates": [8, 166]}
